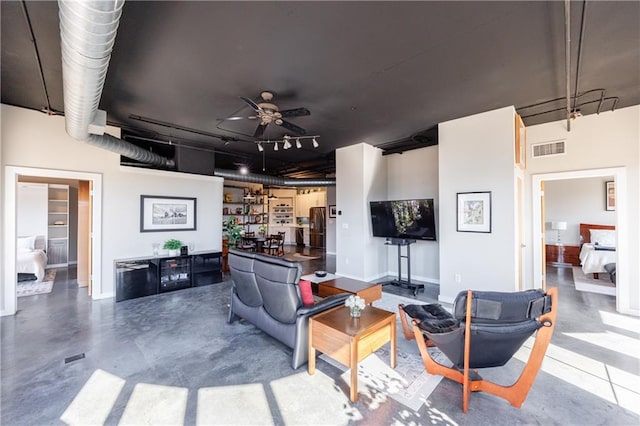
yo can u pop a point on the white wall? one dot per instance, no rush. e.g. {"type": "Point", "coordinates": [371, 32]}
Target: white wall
{"type": "Point", "coordinates": [33, 139]}
{"type": "Point", "coordinates": [331, 221]}
{"type": "Point", "coordinates": [610, 139]}
{"type": "Point", "coordinates": [360, 177]}
{"type": "Point", "coordinates": [575, 201]}
{"type": "Point", "coordinates": [411, 175]}
{"type": "Point", "coordinates": [476, 153]}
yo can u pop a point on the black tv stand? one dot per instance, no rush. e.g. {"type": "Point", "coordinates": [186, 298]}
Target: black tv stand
{"type": "Point", "coordinates": [400, 282]}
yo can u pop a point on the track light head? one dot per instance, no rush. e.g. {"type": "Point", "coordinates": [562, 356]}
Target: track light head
{"type": "Point", "coordinates": [260, 147]}
{"type": "Point", "coordinates": [315, 142]}
{"type": "Point", "coordinates": [275, 146]}
{"type": "Point", "coordinates": [298, 143]}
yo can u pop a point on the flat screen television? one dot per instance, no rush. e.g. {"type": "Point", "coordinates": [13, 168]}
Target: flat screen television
{"type": "Point", "coordinates": [404, 219]}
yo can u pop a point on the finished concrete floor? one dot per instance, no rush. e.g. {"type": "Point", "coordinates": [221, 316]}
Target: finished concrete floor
{"type": "Point", "coordinates": [172, 359]}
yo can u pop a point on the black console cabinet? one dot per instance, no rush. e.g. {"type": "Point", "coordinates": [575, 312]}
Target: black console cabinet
{"type": "Point", "coordinates": [147, 276]}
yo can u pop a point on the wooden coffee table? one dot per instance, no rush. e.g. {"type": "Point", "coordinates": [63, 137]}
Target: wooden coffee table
{"type": "Point", "coordinates": [350, 340]}
{"type": "Point", "coordinates": [368, 291]}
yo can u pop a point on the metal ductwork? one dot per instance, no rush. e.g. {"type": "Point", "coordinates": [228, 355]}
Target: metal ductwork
{"type": "Point", "coordinates": [88, 32]}
{"type": "Point", "coordinates": [271, 180]}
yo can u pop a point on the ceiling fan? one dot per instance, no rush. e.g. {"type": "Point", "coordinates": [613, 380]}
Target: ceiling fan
{"type": "Point", "coordinates": [268, 113]}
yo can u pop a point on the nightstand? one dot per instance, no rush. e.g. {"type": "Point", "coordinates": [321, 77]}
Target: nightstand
{"type": "Point", "coordinates": [562, 256]}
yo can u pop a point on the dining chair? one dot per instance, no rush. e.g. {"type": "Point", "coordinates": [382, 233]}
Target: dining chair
{"type": "Point", "coordinates": [248, 243]}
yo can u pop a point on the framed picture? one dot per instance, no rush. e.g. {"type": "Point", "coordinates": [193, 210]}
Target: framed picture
{"type": "Point", "coordinates": [474, 212]}
{"type": "Point", "coordinates": [610, 194]}
{"type": "Point", "coordinates": [158, 213]}
{"type": "Point", "coordinates": [332, 211]}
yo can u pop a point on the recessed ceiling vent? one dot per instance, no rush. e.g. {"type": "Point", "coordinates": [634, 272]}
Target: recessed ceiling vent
{"type": "Point", "coordinates": [547, 149]}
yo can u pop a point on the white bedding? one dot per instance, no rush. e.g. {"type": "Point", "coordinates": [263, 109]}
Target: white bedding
{"type": "Point", "coordinates": [593, 260]}
{"type": "Point", "coordinates": [32, 262]}
{"type": "Point", "coordinates": [31, 257]}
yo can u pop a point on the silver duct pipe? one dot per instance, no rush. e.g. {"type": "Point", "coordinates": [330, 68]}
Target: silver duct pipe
{"type": "Point", "coordinates": [271, 180]}
{"type": "Point", "coordinates": [88, 32]}
{"type": "Point", "coordinates": [567, 57]}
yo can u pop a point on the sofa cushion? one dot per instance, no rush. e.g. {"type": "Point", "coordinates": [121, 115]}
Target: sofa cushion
{"type": "Point", "coordinates": [306, 293]}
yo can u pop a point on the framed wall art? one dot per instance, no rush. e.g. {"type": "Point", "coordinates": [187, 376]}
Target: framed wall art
{"type": "Point", "coordinates": [474, 212]}
{"type": "Point", "coordinates": [159, 213]}
{"type": "Point", "coordinates": [610, 194]}
{"type": "Point", "coordinates": [332, 211]}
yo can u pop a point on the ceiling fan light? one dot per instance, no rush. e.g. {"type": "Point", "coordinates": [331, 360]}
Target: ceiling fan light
{"type": "Point", "coordinates": [275, 146]}
{"type": "Point", "coordinates": [315, 142]}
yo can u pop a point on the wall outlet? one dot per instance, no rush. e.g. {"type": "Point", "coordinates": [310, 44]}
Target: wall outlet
{"type": "Point", "coordinates": [457, 278]}
{"type": "Point", "coordinates": [345, 225]}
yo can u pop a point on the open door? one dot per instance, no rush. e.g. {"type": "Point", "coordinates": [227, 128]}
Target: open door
{"type": "Point", "coordinates": [84, 234]}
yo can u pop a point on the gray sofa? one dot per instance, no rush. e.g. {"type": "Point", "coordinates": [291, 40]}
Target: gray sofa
{"type": "Point", "coordinates": [266, 293]}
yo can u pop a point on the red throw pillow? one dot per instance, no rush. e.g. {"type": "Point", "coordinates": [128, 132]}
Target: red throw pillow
{"type": "Point", "coordinates": [305, 292]}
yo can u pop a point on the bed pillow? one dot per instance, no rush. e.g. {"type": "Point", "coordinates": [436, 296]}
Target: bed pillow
{"type": "Point", "coordinates": [603, 237]}
{"type": "Point", "coordinates": [39, 243]}
{"type": "Point", "coordinates": [26, 243]}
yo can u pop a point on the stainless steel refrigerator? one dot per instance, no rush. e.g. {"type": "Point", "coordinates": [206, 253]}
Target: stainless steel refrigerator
{"type": "Point", "coordinates": [317, 226]}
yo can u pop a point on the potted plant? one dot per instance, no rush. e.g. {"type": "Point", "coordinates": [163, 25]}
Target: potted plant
{"type": "Point", "coordinates": [173, 246]}
{"type": "Point", "coordinates": [232, 230]}
{"type": "Point", "coordinates": [262, 230]}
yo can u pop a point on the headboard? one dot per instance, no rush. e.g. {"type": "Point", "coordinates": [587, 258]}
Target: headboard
{"type": "Point", "coordinates": [585, 235]}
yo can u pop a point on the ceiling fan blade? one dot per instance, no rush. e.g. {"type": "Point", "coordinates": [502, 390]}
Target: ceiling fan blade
{"type": "Point", "coordinates": [254, 106]}
{"type": "Point", "coordinates": [297, 112]}
{"type": "Point", "coordinates": [251, 117]}
{"type": "Point", "coordinates": [259, 131]}
{"type": "Point", "coordinates": [290, 126]}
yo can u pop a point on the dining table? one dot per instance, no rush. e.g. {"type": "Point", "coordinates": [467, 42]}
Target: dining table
{"type": "Point", "coordinates": [259, 242]}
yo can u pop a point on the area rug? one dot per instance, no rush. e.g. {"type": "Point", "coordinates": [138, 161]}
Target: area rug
{"type": "Point", "coordinates": [31, 288]}
{"type": "Point", "coordinates": [297, 256]}
{"type": "Point", "coordinates": [583, 282]}
{"type": "Point", "coordinates": [408, 383]}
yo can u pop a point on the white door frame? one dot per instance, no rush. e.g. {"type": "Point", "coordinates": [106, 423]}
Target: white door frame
{"type": "Point", "coordinates": [10, 225]}
{"type": "Point", "coordinates": [623, 290]}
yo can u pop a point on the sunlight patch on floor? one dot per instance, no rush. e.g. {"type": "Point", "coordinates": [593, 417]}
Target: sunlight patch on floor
{"type": "Point", "coordinates": [226, 405]}
{"type": "Point", "coordinates": [328, 404]}
{"type": "Point", "coordinates": [605, 381]}
{"type": "Point", "coordinates": [155, 405]}
{"type": "Point", "coordinates": [620, 321]}
{"type": "Point", "coordinates": [612, 341]}
{"type": "Point", "coordinates": [94, 402]}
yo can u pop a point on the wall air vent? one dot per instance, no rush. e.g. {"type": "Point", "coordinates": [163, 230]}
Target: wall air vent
{"type": "Point", "coordinates": [547, 149]}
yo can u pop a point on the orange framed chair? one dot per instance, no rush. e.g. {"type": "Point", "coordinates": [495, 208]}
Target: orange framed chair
{"type": "Point", "coordinates": [485, 330]}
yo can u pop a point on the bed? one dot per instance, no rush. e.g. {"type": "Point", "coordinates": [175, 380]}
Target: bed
{"type": "Point", "coordinates": [31, 257]}
{"type": "Point", "coordinates": [598, 247]}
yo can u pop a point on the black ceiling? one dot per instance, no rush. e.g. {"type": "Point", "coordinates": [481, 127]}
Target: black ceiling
{"type": "Point", "coordinates": [373, 72]}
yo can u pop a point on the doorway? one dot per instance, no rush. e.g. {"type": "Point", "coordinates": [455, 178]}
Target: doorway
{"type": "Point", "coordinates": [619, 177]}
{"type": "Point", "coordinates": [12, 174]}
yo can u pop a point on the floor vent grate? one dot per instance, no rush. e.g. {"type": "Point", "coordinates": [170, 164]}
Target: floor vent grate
{"type": "Point", "coordinates": [73, 358]}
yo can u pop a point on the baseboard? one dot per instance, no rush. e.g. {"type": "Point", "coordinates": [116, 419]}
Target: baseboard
{"type": "Point", "coordinates": [101, 296]}
{"type": "Point", "coordinates": [594, 288]}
